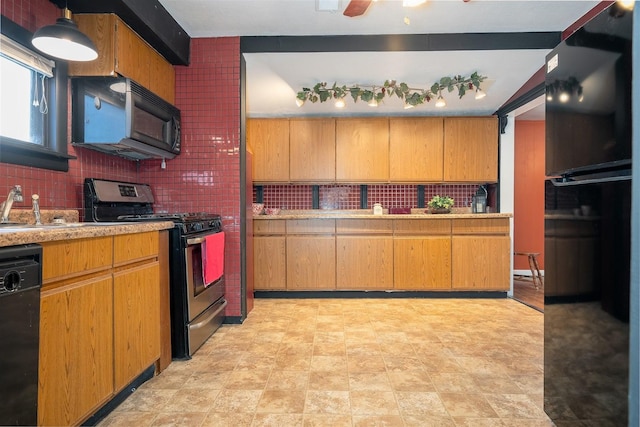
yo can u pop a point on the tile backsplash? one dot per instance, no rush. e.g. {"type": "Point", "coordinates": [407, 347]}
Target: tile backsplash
{"type": "Point", "coordinates": [348, 196]}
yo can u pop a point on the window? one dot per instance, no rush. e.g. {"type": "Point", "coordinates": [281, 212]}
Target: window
{"type": "Point", "coordinates": [33, 105]}
{"type": "Point", "coordinates": [24, 101]}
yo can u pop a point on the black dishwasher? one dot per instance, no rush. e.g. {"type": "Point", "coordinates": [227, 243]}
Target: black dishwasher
{"type": "Point", "coordinates": [20, 282]}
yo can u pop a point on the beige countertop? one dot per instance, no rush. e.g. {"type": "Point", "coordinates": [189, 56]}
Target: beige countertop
{"type": "Point", "coordinates": [367, 214]}
{"type": "Point", "coordinates": [20, 235]}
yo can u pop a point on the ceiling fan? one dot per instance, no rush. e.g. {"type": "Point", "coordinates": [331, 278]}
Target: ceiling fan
{"type": "Point", "coordinates": [359, 7]}
{"type": "Point", "coordinates": [356, 8]}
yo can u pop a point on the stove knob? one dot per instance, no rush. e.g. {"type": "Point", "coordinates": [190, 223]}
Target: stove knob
{"type": "Point", "coordinates": [197, 226]}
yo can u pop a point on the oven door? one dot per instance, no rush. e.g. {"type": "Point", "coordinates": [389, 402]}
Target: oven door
{"type": "Point", "coordinates": [200, 295]}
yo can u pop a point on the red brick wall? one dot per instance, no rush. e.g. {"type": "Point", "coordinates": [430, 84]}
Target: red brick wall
{"type": "Point", "coordinates": [60, 190]}
{"type": "Point", "coordinates": [390, 196]}
{"type": "Point", "coordinates": [205, 177]}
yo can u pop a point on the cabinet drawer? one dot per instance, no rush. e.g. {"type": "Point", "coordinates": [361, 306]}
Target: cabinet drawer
{"type": "Point", "coordinates": [270, 226]}
{"type": "Point", "coordinates": [133, 247]}
{"type": "Point", "coordinates": [422, 227]}
{"type": "Point", "coordinates": [481, 226]}
{"type": "Point", "coordinates": [311, 226]}
{"type": "Point", "coordinates": [67, 258]}
{"type": "Point", "coordinates": [364, 226]}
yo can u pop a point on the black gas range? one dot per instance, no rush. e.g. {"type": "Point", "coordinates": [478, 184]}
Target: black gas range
{"type": "Point", "coordinates": [197, 304]}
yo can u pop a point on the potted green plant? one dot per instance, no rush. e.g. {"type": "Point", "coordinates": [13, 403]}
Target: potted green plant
{"type": "Point", "coordinates": [440, 204]}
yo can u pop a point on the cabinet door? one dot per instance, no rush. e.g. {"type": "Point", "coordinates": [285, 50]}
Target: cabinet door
{"type": "Point", "coordinates": [132, 54]}
{"type": "Point", "coordinates": [136, 321]}
{"type": "Point", "coordinates": [162, 77]}
{"type": "Point", "coordinates": [415, 149]}
{"type": "Point", "coordinates": [269, 262]}
{"type": "Point", "coordinates": [362, 150]}
{"type": "Point", "coordinates": [312, 144]}
{"type": "Point", "coordinates": [471, 149]}
{"type": "Point", "coordinates": [268, 139]}
{"type": "Point", "coordinates": [76, 351]}
{"type": "Point", "coordinates": [422, 263]}
{"type": "Point", "coordinates": [311, 262]}
{"type": "Point", "coordinates": [122, 51]}
{"type": "Point", "coordinates": [481, 262]}
{"type": "Point", "coordinates": [364, 262]}
{"type": "Point", "coordinates": [100, 28]}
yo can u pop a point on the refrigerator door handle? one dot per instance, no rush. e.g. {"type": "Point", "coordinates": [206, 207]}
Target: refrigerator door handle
{"type": "Point", "coordinates": [566, 182]}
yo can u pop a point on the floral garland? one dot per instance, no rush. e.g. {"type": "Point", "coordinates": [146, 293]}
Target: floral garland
{"type": "Point", "coordinates": [410, 96]}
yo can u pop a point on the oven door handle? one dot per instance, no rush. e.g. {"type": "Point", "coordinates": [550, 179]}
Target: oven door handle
{"type": "Point", "coordinates": [195, 241]}
{"type": "Point", "coordinates": [209, 317]}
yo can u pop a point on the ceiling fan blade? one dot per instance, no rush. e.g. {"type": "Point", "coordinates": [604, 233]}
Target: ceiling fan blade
{"type": "Point", "coordinates": [356, 8]}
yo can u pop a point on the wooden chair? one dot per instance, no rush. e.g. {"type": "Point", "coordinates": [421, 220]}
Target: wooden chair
{"type": "Point", "coordinates": [533, 265]}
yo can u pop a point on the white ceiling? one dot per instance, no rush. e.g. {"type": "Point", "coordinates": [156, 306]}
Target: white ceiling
{"type": "Point", "coordinates": [274, 78]}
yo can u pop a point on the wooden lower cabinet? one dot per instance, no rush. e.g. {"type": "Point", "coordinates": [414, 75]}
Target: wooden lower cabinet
{"type": "Point", "coordinates": [99, 322]}
{"type": "Point", "coordinates": [480, 262]}
{"type": "Point", "coordinates": [76, 351]}
{"type": "Point", "coordinates": [422, 263]}
{"type": "Point", "coordinates": [311, 262]}
{"type": "Point", "coordinates": [136, 316]}
{"type": "Point", "coordinates": [364, 262]}
{"type": "Point", "coordinates": [269, 263]}
{"type": "Point", "coordinates": [383, 254]}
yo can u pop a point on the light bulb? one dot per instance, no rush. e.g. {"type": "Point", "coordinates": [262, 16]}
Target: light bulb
{"type": "Point", "coordinates": [299, 102]}
{"type": "Point", "coordinates": [626, 4]}
{"type": "Point", "coordinates": [564, 96]}
{"type": "Point", "coordinates": [480, 93]}
{"type": "Point", "coordinates": [412, 3]}
{"type": "Point", "coordinates": [440, 102]}
{"type": "Point", "coordinates": [408, 106]}
{"type": "Point", "coordinates": [373, 103]}
{"type": "Point", "coordinates": [340, 103]}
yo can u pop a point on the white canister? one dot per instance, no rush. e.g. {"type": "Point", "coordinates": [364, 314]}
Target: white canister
{"type": "Point", "coordinates": [377, 209]}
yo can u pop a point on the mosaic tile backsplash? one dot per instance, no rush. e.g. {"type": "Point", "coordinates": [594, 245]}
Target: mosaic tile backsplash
{"type": "Point", "coordinates": [348, 196]}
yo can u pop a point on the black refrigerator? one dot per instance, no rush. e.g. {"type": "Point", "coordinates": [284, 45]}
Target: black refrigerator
{"type": "Point", "coordinates": [587, 223]}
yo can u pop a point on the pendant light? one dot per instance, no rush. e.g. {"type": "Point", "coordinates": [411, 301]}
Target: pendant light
{"type": "Point", "coordinates": [65, 41]}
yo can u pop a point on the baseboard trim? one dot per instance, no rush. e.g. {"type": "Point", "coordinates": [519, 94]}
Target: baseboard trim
{"type": "Point", "coordinates": [379, 294]}
{"type": "Point", "coordinates": [112, 404]}
{"type": "Point", "coordinates": [233, 320]}
{"type": "Point", "coordinates": [525, 273]}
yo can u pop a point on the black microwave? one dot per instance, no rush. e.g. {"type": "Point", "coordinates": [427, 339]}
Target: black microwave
{"type": "Point", "coordinates": [119, 116]}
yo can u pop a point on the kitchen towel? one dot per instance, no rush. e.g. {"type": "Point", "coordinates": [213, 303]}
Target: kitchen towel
{"type": "Point", "coordinates": [212, 258]}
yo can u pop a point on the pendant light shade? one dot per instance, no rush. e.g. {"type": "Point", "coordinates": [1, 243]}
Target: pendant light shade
{"type": "Point", "coordinates": [65, 41]}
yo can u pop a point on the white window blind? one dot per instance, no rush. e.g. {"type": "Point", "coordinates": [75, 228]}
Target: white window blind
{"type": "Point", "coordinates": [20, 54]}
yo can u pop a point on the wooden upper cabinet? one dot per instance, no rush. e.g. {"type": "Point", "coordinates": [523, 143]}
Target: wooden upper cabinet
{"type": "Point", "coordinates": [268, 139]}
{"type": "Point", "coordinates": [471, 149]}
{"type": "Point", "coordinates": [362, 150]}
{"type": "Point", "coordinates": [122, 52]}
{"type": "Point", "coordinates": [415, 149]}
{"type": "Point", "coordinates": [162, 77]}
{"type": "Point", "coordinates": [312, 150]}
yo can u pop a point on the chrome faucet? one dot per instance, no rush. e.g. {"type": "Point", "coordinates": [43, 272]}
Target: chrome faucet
{"type": "Point", "coordinates": [15, 195]}
{"type": "Point", "coordinates": [35, 202]}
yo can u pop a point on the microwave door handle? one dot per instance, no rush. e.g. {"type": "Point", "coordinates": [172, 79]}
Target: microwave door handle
{"type": "Point", "coordinates": [176, 132]}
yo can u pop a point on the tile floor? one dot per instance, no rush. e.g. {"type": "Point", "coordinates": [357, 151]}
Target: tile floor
{"type": "Point", "coordinates": [356, 362]}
